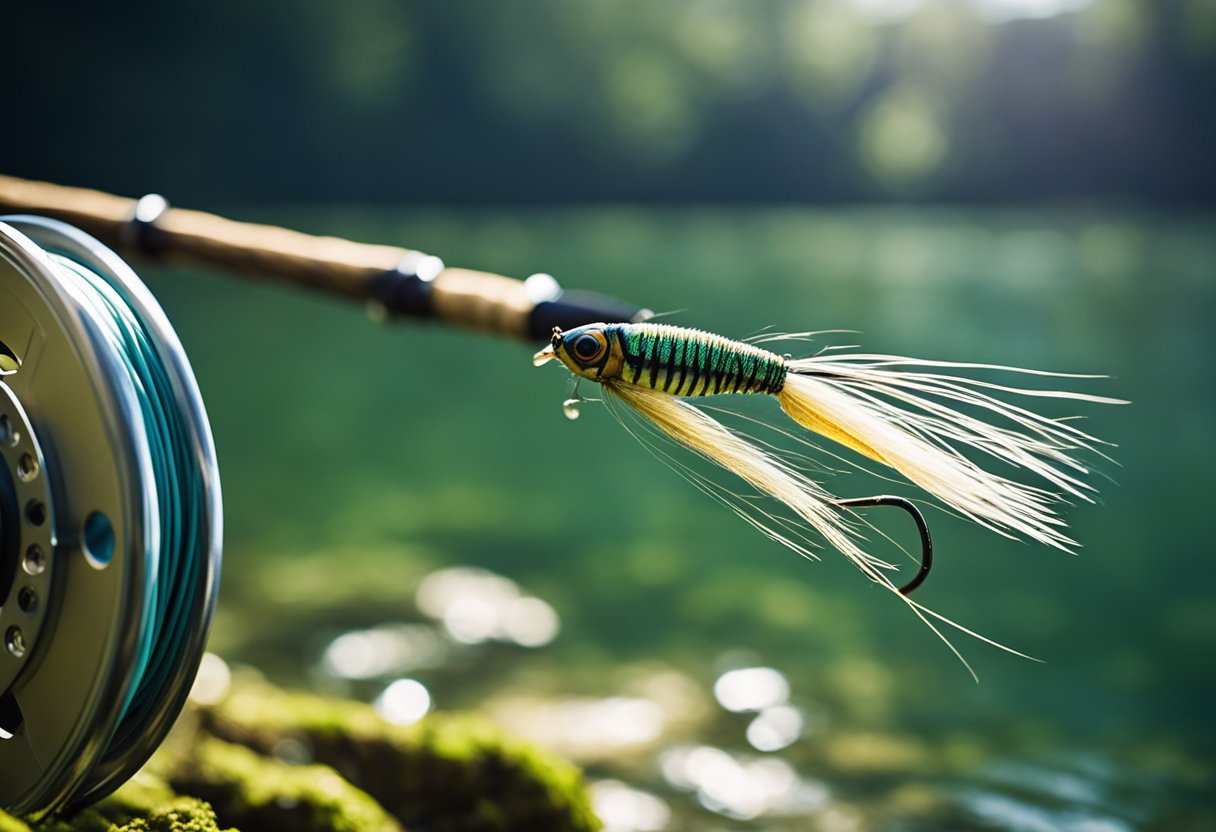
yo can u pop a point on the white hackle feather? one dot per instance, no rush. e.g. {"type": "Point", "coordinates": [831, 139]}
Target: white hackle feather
{"type": "Point", "coordinates": [771, 475]}
{"type": "Point", "coordinates": [892, 410]}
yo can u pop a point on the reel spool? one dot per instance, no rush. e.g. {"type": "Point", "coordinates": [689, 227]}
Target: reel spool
{"type": "Point", "coordinates": [110, 520]}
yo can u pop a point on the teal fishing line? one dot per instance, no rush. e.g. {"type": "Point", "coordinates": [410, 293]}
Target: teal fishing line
{"type": "Point", "coordinates": [175, 543]}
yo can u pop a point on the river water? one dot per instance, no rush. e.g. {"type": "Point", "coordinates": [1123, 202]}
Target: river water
{"type": "Point", "coordinates": [411, 520]}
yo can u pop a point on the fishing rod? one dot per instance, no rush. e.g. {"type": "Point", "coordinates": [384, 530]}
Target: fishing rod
{"type": "Point", "coordinates": [395, 281]}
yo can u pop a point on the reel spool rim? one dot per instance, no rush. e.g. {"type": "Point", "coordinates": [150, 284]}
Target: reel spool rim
{"type": "Point", "coordinates": [112, 763]}
{"type": "Point", "coordinates": [99, 710]}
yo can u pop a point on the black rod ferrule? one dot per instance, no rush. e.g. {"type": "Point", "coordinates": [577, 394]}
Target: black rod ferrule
{"type": "Point", "coordinates": [571, 309]}
{"type": "Point", "coordinates": [406, 290]}
{"type": "Point", "coordinates": [140, 232]}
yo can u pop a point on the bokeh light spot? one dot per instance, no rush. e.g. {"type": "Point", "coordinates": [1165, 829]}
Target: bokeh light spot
{"type": "Point", "coordinates": [775, 728]}
{"type": "Point", "coordinates": [625, 809]}
{"type": "Point", "coordinates": [404, 701]}
{"type": "Point", "coordinates": [903, 137]}
{"type": "Point", "coordinates": [999, 11]}
{"type": "Point", "coordinates": [751, 689]}
{"type": "Point", "coordinates": [212, 682]}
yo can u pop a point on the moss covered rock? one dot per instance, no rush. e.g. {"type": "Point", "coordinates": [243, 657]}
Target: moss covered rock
{"type": "Point", "coordinates": [443, 773]}
{"type": "Point", "coordinates": [265, 759]}
{"type": "Point", "coordinates": [8, 823]}
{"type": "Point", "coordinates": [255, 792]}
{"type": "Point", "coordinates": [145, 804]}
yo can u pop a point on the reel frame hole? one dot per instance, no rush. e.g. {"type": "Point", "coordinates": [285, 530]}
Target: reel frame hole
{"type": "Point", "coordinates": [35, 513]}
{"type": "Point", "coordinates": [28, 468]}
{"type": "Point", "coordinates": [99, 542]}
{"type": "Point", "coordinates": [14, 641]}
{"type": "Point", "coordinates": [34, 561]}
{"type": "Point", "coordinates": [9, 360]}
{"type": "Point", "coordinates": [27, 600]}
{"type": "Point", "coordinates": [11, 719]}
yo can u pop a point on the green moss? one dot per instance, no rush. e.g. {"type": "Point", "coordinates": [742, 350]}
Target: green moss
{"type": "Point", "coordinates": [89, 820]}
{"type": "Point", "coordinates": [261, 793]}
{"type": "Point", "coordinates": [8, 823]}
{"type": "Point", "coordinates": [185, 814]}
{"type": "Point", "coordinates": [141, 796]}
{"type": "Point", "coordinates": [144, 804]}
{"type": "Point", "coordinates": [443, 773]}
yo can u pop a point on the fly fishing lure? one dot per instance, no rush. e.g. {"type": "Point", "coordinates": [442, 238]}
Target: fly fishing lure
{"type": "Point", "coordinates": [897, 411]}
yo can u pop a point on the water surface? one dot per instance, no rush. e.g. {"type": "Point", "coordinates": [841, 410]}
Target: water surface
{"type": "Point", "coordinates": [613, 597]}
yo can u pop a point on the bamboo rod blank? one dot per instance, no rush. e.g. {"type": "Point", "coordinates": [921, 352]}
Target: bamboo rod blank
{"type": "Point", "coordinates": [478, 300]}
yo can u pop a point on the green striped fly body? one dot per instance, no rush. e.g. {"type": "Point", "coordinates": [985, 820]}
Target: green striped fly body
{"type": "Point", "coordinates": [690, 362]}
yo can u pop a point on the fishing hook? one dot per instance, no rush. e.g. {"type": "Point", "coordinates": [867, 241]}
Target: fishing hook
{"type": "Point", "coordinates": [926, 542]}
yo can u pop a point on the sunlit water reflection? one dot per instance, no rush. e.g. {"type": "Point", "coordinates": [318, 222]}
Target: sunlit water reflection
{"type": "Point", "coordinates": [626, 809]}
{"type": "Point", "coordinates": [1081, 793]}
{"type": "Point", "coordinates": [776, 758]}
{"type": "Point", "coordinates": [476, 606]}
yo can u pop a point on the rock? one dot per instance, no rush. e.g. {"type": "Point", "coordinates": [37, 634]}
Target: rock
{"type": "Point", "coordinates": [263, 758]}
{"type": "Point", "coordinates": [8, 823]}
{"type": "Point", "coordinates": [143, 805]}
{"type": "Point", "coordinates": [443, 773]}
{"type": "Point", "coordinates": [256, 792]}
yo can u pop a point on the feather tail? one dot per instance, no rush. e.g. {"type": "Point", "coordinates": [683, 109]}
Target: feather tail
{"type": "Point", "coordinates": [696, 430]}
{"type": "Point", "coordinates": [899, 413]}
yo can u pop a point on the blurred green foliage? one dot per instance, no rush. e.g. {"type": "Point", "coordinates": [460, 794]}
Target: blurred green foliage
{"type": "Point", "coordinates": [220, 101]}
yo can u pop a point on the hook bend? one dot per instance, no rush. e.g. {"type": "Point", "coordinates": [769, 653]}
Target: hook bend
{"type": "Point", "coordinates": [926, 542]}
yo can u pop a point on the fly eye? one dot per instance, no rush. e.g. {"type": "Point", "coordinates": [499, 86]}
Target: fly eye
{"type": "Point", "coordinates": [586, 347]}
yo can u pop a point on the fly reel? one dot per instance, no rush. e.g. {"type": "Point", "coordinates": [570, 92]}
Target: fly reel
{"type": "Point", "coordinates": [110, 520]}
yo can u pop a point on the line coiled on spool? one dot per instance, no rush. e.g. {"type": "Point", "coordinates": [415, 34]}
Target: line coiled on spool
{"type": "Point", "coordinates": [177, 502]}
